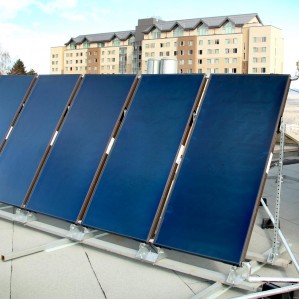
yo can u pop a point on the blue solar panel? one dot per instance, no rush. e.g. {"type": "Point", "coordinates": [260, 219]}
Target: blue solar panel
{"type": "Point", "coordinates": [132, 183]}
{"type": "Point", "coordinates": [31, 135]}
{"type": "Point", "coordinates": [12, 92]}
{"type": "Point", "coordinates": [213, 204]}
{"type": "Point", "coordinates": [80, 145]}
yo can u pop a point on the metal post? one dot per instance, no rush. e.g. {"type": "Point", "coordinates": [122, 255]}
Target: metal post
{"type": "Point", "coordinates": [275, 244]}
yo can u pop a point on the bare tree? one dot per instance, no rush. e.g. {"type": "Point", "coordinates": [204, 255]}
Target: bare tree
{"type": "Point", "coordinates": [5, 61]}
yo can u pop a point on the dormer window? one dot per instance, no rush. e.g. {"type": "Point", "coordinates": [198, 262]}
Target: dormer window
{"type": "Point", "coordinates": [178, 31]}
{"type": "Point", "coordinates": [73, 46]}
{"type": "Point", "coordinates": [86, 45]}
{"type": "Point", "coordinates": [202, 29]}
{"type": "Point", "coordinates": [132, 40]}
{"type": "Point", "coordinates": [116, 42]}
{"type": "Point", "coordinates": [229, 27]}
{"type": "Point", "coordinates": [156, 33]}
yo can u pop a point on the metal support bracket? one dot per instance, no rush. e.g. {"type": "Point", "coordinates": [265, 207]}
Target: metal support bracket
{"type": "Point", "coordinates": [23, 216]}
{"type": "Point", "coordinates": [238, 275]}
{"type": "Point", "coordinates": [79, 233]}
{"type": "Point", "coordinates": [275, 243]}
{"type": "Point", "coordinates": [150, 253]}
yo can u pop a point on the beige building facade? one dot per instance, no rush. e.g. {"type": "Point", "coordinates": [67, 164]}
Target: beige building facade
{"type": "Point", "coordinates": [238, 44]}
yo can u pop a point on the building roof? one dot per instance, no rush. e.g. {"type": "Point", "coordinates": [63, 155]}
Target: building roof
{"type": "Point", "coordinates": [211, 22]}
{"type": "Point", "coordinates": [101, 37]}
{"type": "Point", "coordinates": [187, 24]}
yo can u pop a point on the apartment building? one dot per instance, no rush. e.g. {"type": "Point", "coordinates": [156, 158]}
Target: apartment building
{"type": "Point", "coordinates": [227, 44]}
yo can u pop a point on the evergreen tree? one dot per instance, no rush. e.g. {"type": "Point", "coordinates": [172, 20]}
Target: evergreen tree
{"type": "Point", "coordinates": [18, 68]}
{"type": "Point", "coordinates": [31, 72]}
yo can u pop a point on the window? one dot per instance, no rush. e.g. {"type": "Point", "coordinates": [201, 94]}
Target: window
{"type": "Point", "coordinates": [229, 27]}
{"type": "Point", "coordinates": [235, 40]}
{"type": "Point", "coordinates": [234, 70]}
{"type": "Point", "coordinates": [226, 60]}
{"type": "Point", "coordinates": [116, 42]}
{"type": "Point", "coordinates": [182, 52]}
{"type": "Point", "coordinates": [86, 45]}
{"type": "Point", "coordinates": [94, 53]}
{"type": "Point", "coordinates": [189, 71]}
{"type": "Point", "coordinates": [146, 46]}
{"type": "Point", "coordinates": [161, 54]}
{"type": "Point", "coordinates": [155, 33]}
{"type": "Point", "coordinates": [95, 68]}
{"type": "Point", "coordinates": [254, 70]}
{"type": "Point", "coordinates": [167, 53]}
{"type": "Point", "coordinates": [108, 67]}
{"type": "Point", "coordinates": [216, 71]}
{"type": "Point", "coordinates": [190, 52]}
{"type": "Point", "coordinates": [216, 51]}
{"type": "Point", "coordinates": [208, 71]}
{"type": "Point", "coordinates": [227, 41]}
{"type": "Point", "coordinates": [189, 61]}
{"type": "Point", "coordinates": [146, 54]}
{"type": "Point", "coordinates": [263, 59]}
{"type": "Point", "coordinates": [255, 39]}
{"type": "Point", "coordinates": [200, 61]}
{"type": "Point", "coordinates": [152, 45]}
{"type": "Point", "coordinates": [254, 60]}
{"type": "Point", "coordinates": [255, 49]}
{"type": "Point", "coordinates": [73, 47]}
{"type": "Point", "coordinates": [67, 55]}
{"type": "Point", "coordinates": [167, 45]}
{"type": "Point", "coordinates": [175, 44]}
{"type": "Point", "coordinates": [182, 43]}
{"type": "Point", "coordinates": [264, 39]}
{"type": "Point", "coordinates": [200, 52]}
{"type": "Point", "coordinates": [208, 61]}
{"type": "Point", "coordinates": [181, 71]}
{"type": "Point", "coordinates": [152, 54]}
{"type": "Point", "coordinates": [109, 52]}
{"type": "Point", "coordinates": [113, 52]}
{"type": "Point", "coordinates": [178, 31]}
{"type": "Point", "coordinates": [200, 42]}
{"type": "Point", "coordinates": [226, 70]}
{"type": "Point", "coordinates": [101, 45]}
{"type": "Point", "coordinates": [175, 53]}
{"type": "Point", "coordinates": [190, 42]}
{"type": "Point", "coordinates": [182, 61]}
{"type": "Point", "coordinates": [113, 67]}
{"type": "Point", "coordinates": [131, 40]}
{"type": "Point", "coordinates": [113, 59]}
{"type": "Point", "coordinates": [103, 52]}
{"type": "Point", "coordinates": [264, 49]}
{"type": "Point", "coordinates": [216, 60]}
{"type": "Point", "coordinates": [217, 42]}
{"type": "Point", "coordinates": [235, 60]}
{"type": "Point", "coordinates": [235, 50]}
{"type": "Point", "coordinates": [202, 30]}
{"type": "Point", "coordinates": [226, 51]}
{"type": "Point", "coordinates": [102, 59]}
{"type": "Point", "coordinates": [263, 70]}
{"type": "Point", "coordinates": [209, 42]}
{"type": "Point", "coordinates": [209, 51]}
{"type": "Point", "coordinates": [199, 71]}
{"type": "Point", "coordinates": [161, 45]}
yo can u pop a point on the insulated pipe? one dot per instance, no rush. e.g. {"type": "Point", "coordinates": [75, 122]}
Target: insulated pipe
{"type": "Point", "coordinates": [285, 243]}
{"type": "Point", "coordinates": [271, 279]}
{"type": "Point", "coordinates": [282, 290]}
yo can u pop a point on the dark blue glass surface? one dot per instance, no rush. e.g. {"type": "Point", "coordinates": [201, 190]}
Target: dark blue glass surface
{"type": "Point", "coordinates": [12, 92]}
{"type": "Point", "coordinates": [81, 142]}
{"type": "Point", "coordinates": [212, 205]}
{"type": "Point", "coordinates": [129, 191]}
{"type": "Point", "coordinates": [31, 135]}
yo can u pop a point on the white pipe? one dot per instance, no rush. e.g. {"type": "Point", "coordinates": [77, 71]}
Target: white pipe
{"type": "Point", "coordinates": [272, 279]}
{"type": "Point", "coordinates": [293, 258]}
{"type": "Point", "coordinates": [277, 291]}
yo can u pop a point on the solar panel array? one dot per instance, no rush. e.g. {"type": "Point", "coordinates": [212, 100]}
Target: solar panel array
{"type": "Point", "coordinates": [104, 151]}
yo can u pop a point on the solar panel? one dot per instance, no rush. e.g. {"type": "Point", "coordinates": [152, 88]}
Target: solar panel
{"type": "Point", "coordinates": [80, 145]}
{"type": "Point", "coordinates": [132, 183]}
{"type": "Point", "coordinates": [213, 203]}
{"type": "Point", "coordinates": [31, 135]}
{"type": "Point", "coordinates": [12, 92]}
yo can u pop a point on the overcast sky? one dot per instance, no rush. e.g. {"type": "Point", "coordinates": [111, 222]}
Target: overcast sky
{"type": "Point", "coordinates": [28, 28]}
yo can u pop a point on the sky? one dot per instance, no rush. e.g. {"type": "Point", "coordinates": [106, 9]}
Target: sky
{"type": "Point", "coordinates": [29, 28]}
